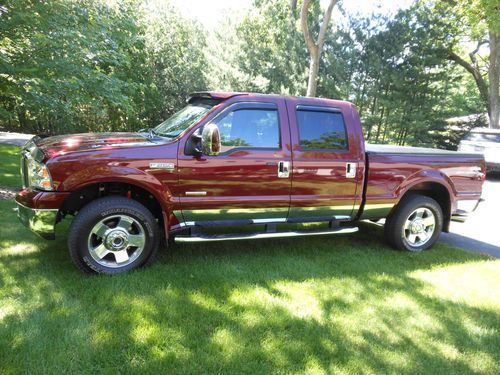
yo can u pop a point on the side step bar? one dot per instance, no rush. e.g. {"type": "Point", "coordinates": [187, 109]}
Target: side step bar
{"type": "Point", "coordinates": [254, 236]}
{"type": "Point", "coordinates": [241, 222]}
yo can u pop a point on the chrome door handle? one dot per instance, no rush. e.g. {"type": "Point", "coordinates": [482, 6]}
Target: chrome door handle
{"type": "Point", "coordinates": [283, 169]}
{"type": "Point", "coordinates": [350, 170]}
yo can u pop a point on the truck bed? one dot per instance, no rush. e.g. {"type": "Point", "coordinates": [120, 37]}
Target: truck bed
{"type": "Point", "coordinates": [391, 170]}
{"type": "Point", "coordinates": [392, 149]}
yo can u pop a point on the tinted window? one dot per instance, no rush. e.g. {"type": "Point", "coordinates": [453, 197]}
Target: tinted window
{"type": "Point", "coordinates": [249, 128]}
{"type": "Point", "coordinates": [321, 130]}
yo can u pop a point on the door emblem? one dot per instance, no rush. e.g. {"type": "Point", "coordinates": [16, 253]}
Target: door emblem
{"type": "Point", "coordinates": [167, 166]}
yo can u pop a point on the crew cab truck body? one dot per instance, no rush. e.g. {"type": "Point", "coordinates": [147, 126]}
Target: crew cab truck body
{"type": "Point", "coordinates": [234, 159]}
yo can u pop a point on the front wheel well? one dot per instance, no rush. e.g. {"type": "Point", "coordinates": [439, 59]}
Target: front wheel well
{"type": "Point", "coordinates": [80, 198]}
{"type": "Point", "coordinates": [439, 193]}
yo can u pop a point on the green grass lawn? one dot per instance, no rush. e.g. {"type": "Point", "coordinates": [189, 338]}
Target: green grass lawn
{"type": "Point", "coordinates": [9, 166]}
{"type": "Point", "coordinates": [343, 305]}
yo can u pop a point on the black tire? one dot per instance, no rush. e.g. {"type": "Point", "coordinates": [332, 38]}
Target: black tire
{"type": "Point", "coordinates": [394, 230]}
{"type": "Point", "coordinates": [100, 210]}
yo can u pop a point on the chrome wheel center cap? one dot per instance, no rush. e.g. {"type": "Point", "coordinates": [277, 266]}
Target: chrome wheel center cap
{"type": "Point", "coordinates": [417, 226]}
{"type": "Point", "coordinates": [116, 240]}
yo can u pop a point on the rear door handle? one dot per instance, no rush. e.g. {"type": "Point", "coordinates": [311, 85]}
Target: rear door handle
{"type": "Point", "coordinates": [283, 169]}
{"type": "Point", "coordinates": [350, 170]}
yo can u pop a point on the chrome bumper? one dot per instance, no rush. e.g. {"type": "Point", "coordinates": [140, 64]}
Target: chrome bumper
{"type": "Point", "coordinates": [464, 209]}
{"type": "Point", "coordinates": [39, 221]}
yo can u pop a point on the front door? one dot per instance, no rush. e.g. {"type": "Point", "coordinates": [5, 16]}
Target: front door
{"type": "Point", "coordinates": [243, 182]}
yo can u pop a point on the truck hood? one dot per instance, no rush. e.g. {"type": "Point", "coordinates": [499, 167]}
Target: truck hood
{"type": "Point", "coordinates": [65, 144]}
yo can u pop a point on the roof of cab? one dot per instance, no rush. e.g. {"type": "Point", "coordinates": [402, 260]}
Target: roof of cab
{"type": "Point", "coordinates": [223, 95]}
{"type": "Point", "coordinates": [214, 95]}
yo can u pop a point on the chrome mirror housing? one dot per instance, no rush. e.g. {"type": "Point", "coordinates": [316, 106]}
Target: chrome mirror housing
{"type": "Point", "coordinates": [210, 140]}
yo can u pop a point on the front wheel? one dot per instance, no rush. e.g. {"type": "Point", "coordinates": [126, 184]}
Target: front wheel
{"type": "Point", "coordinates": [416, 224]}
{"type": "Point", "coordinates": [112, 235]}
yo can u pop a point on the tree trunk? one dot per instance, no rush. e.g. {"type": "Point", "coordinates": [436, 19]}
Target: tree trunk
{"type": "Point", "coordinates": [359, 98]}
{"type": "Point", "coordinates": [314, 47]}
{"type": "Point", "coordinates": [379, 125]}
{"type": "Point", "coordinates": [494, 76]}
{"type": "Point", "coordinates": [312, 82]}
{"type": "Point", "coordinates": [386, 125]}
{"type": "Point", "coordinates": [480, 82]}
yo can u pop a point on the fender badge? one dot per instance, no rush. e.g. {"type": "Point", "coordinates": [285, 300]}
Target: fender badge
{"type": "Point", "coordinates": [167, 166]}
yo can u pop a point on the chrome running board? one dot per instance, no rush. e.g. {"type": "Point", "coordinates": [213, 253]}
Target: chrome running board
{"type": "Point", "coordinates": [254, 236]}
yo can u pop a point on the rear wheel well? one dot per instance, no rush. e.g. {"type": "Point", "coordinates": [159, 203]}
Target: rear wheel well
{"type": "Point", "coordinates": [439, 193]}
{"type": "Point", "coordinates": [80, 198]}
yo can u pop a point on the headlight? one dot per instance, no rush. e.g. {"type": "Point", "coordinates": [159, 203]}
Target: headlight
{"type": "Point", "coordinates": [38, 175]}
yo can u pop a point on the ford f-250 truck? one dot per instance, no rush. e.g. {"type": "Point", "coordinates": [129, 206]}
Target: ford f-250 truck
{"type": "Point", "coordinates": [237, 159]}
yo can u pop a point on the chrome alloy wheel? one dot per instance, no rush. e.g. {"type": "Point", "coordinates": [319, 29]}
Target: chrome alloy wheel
{"type": "Point", "coordinates": [116, 241]}
{"type": "Point", "coordinates": [419, 227]}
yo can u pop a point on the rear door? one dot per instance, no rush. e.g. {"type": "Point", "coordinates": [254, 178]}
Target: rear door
{"type": "Point", "coordinates": [243, 182]}
{"type": "Point", "coordinates": [327, 172]}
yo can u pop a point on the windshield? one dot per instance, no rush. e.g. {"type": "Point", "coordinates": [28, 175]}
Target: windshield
{"type": "Point", "coordinates": [180, 121]}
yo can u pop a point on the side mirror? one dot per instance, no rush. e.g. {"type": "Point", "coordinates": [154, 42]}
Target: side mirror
{"type": "Point", "coordinates": [210, 140]}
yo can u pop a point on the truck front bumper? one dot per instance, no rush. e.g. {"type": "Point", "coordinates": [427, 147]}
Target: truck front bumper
{"type": "Point", "coordinates": [41, 221]}
{"type": "Point", "coordinates": [39, 210]}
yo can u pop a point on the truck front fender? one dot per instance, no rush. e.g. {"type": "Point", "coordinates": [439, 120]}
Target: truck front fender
{"type": "Point", "coordinates": [119, 174]}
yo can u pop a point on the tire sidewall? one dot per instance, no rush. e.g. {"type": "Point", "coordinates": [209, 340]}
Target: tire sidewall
{"type": "Point", "coordinates": [422, 202]}
{"type": "Point", "coordinates": [90, 220]}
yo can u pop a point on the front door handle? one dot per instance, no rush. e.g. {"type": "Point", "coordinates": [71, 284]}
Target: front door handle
{"type": "Point", "coordinates": [283, 169]}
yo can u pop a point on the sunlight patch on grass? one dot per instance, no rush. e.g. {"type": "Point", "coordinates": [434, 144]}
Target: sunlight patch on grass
{"type": "Point", "coordinates": [226, 341]}
{"type": "Point", "coordinates": [313, 367]}
{"type": "Point", "coordinates": [204, 301]}
{"type": "Point", "coordinates": [7, 308]}
{"type": "Point", "coordinates": [295, 299]}
{"type": "Point", "coordinates": [9, 166]}
{"type": "Point", "coordinates": [473, 286]}
{"type": "Point", "coordinates": [13, 248]}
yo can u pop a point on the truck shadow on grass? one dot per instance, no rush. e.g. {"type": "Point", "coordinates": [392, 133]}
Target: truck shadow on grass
{"type": "Point", "coordinates": [334, 304]}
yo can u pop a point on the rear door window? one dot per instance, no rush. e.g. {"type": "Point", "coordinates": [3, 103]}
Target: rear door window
{"type": "Point", "coordinates": [321, 130]}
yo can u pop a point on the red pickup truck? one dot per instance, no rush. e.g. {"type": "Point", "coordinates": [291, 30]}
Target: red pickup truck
{"type": "Point", "coordinates": [238, 159]}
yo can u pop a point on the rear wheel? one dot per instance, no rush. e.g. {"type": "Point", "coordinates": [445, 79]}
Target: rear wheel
{"type": "Point", "coordinates": [416, 224]}
{"type": "Point", "coordinates": [112, 235]}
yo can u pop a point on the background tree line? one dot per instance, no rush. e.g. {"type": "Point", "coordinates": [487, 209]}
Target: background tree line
{"type": "Point", "coordinates": [95, 65]}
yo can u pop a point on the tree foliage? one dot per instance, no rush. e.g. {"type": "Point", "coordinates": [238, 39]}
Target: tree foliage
{"type": "Point", "coordinates": [476, 23]}
{"type": "Point", "coordinates": [393, 69]}
{"type": "Point", "coordinates": [94, 65]}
